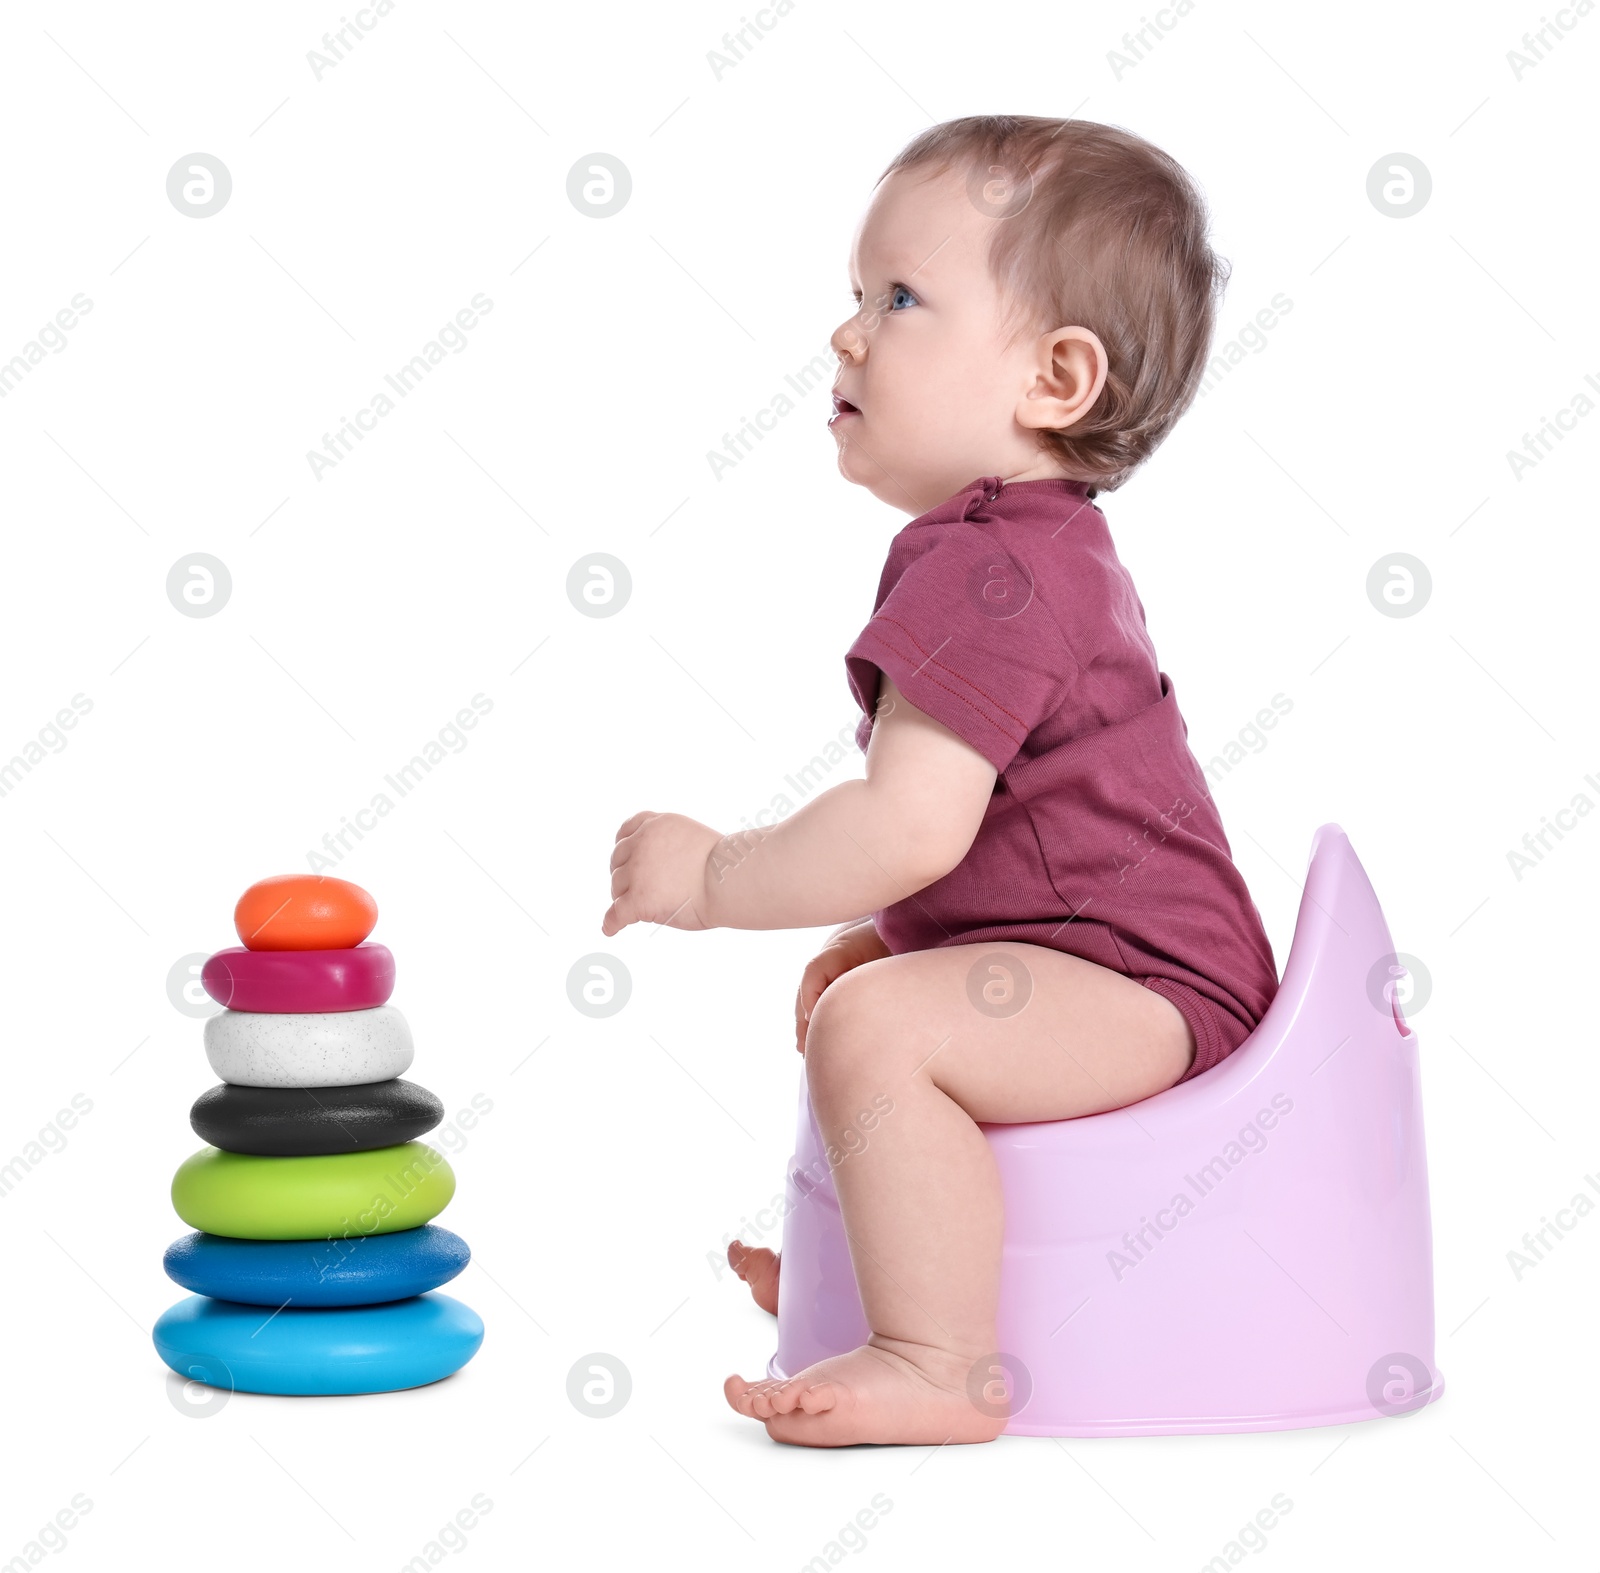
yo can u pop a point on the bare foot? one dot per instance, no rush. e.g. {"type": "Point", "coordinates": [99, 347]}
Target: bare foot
{"type": "Point", "coordinates": [870, 1395]}
{"type": "Point", "coordinates": [758, 1267]}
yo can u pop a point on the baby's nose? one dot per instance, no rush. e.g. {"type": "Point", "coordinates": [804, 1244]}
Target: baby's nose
{"type": "Point", "coordinates": [849, 342]}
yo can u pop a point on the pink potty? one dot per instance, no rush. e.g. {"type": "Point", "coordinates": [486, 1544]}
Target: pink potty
{"type": "Point", "coordinates": [1249, 1251]}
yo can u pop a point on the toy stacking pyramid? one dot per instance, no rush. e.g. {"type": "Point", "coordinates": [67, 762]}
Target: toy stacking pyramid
{"type": "Point", "coordinates": [313, 1257]}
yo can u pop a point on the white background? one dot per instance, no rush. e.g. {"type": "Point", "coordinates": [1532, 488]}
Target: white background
{"type": "Point", "coordinates": [369, 606]}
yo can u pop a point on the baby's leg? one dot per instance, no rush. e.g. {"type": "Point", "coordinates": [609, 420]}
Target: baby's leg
{"type": "Point", "coordinates": [758, 1267]}
{"type": "Point", "coordinates": [918, 1188]}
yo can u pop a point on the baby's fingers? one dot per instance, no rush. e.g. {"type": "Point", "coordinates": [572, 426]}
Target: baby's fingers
{"type": "Point", "coordinates": [804, 1001]}
{"type": "Point", "coordinates": [812, 982]}
{"type": "Point", "coordinates": [620, 913]}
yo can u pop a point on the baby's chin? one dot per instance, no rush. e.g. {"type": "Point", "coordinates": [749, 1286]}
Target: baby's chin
{"type": "Point", "coordinates": [894, 481]}
{"type": "Point", "coordinates": [905, 484]}
{"type": "Point", "coordinates": [865, 472]}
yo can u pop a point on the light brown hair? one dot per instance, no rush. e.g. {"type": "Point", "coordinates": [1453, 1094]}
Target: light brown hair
{"type": "Point", "coordinates": [1099, 229]}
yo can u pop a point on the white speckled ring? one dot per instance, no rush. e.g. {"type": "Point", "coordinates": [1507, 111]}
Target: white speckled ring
{"type": "Point", "coordinates": [323, 1049]}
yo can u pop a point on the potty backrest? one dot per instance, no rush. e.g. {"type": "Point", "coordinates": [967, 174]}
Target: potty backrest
{"type": "Point", "coordinates": [1341, 964]}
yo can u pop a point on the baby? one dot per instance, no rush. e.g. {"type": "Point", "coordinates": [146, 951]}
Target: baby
{"type": "Point", "coordinates": [1055, 923]}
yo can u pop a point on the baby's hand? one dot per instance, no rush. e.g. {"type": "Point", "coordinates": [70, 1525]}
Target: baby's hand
{"type": "Point", "coordinates": [658, 873]}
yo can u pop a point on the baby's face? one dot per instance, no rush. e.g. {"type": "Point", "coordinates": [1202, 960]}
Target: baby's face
{"type": "Point", "coordinates": [928, 389]}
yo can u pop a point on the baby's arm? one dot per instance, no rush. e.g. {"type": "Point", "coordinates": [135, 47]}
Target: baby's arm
{"type": "Point", "coordinates": [858, 847]}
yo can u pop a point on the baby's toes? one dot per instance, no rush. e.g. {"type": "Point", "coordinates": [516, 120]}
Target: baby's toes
{"type": "Point", "coordinates": [766, 1400]}
{"type": "Point", "coordinates": [798, 1393]}
{"type": "Point", "coordinates": [739, 1394]}
{"type": "Point", "coordinates": [818, 1397]}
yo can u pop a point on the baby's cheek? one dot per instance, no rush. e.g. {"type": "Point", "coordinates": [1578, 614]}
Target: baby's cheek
{"type": "Point", "coordinates": [945, 397]}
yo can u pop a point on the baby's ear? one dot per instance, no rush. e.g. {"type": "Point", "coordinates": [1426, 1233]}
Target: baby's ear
{"type": "Point", "coordinates": [1070, 366]}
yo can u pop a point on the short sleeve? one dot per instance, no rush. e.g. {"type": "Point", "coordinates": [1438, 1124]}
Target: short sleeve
{"type": "Point", "coordinates": [968, 641]}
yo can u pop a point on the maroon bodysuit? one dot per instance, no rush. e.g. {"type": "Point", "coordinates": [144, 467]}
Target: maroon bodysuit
{"type": "Point", "coordinates": [1005, 614]}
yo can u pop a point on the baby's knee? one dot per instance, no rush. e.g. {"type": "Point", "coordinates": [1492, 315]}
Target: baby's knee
{"type": "Point", "coordinates": [848, 1038]}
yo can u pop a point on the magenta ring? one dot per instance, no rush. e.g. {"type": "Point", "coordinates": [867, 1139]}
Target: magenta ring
{"type": "Point", "coordinates": [284, 982]}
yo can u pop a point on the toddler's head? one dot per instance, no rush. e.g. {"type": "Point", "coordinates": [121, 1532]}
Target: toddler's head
{"type": "Point", "coordinates": [1036, 298]}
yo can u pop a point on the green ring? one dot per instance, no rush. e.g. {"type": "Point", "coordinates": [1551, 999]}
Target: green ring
{"type": "Point", "coordinates": [341, 1195]}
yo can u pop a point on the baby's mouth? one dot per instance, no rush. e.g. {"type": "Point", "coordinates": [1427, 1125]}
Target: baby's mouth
{"type": "Point", "coordinates": [841, 408]}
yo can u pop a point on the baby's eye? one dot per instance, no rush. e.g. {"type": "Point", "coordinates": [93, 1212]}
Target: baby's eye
{"type": "Point", "coordinates": [900, 297]}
